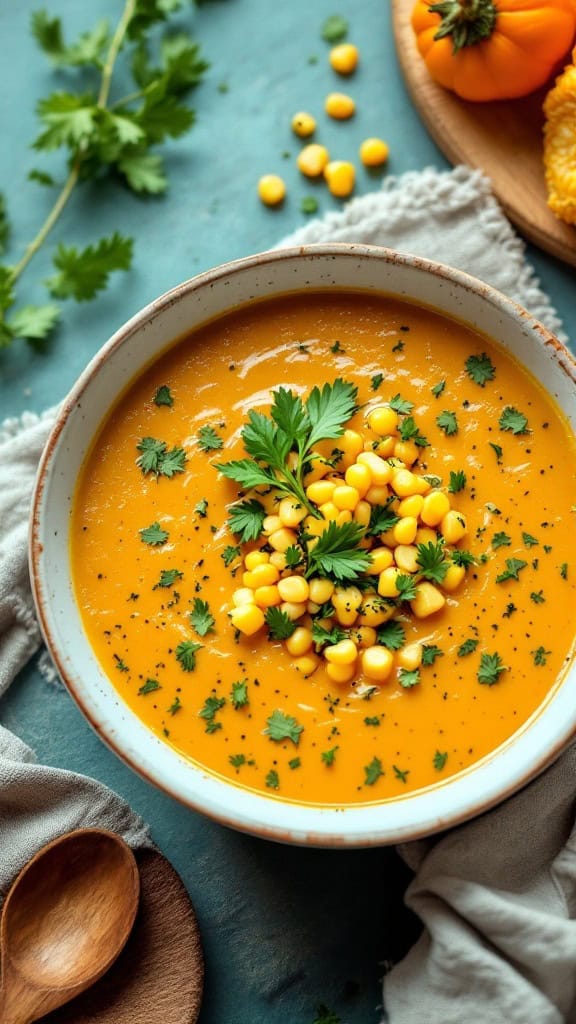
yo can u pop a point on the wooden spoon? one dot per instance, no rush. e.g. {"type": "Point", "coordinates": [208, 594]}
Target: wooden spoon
{"type": "Point", "coordinates": [65, 920]}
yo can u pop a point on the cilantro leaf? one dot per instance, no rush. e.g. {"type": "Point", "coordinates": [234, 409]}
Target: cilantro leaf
{"type": "Point", "coordinates": [373, 771]}
{"type": "Point", "coordinates": [408, 677]}
{"type": "Point", "coordinates": [491, 666]}
{"type": "Point", "coordinates": [272, 779]}
{"type": "Point", "coordinates": [149, 687]}
{"type": "Point", "coordinates": [382, 519]}
{"type": "Point", "coordinates": [529, 540]}
{"type": "Point", "coordinates": [209, 710]}
{"type": "Point", "coordinates": [337, 555]}
{"type": "Point", "coordinates": [406, 587]}
{"type": "Point", "coordinates": [247, 474]}
{"type": "Point", "coordinates": [168, 577]}
{"type": "Point", "coordinates": [156, 458]}
{"type": "Point", "coordinates": [376, 381]}
{"type": "Point", "coordinates": [457, 481]}
{"type": "Point", "coordinates": [154, 534]}
{"type": "Point", "coordinates": [201, 618]}
{"type": "Point", "coordinates": [501, 540]}
{"type": "Point", "coordinates": [81, 275]}
{"type": "Point", "coordinates": [409, 431]}
{"type": "Point", "coordinates": [239, 695]}
{"type": "Point", "coordinates": [293, 556]}
{"type": "Point", "coordinates": [513, 420]}
{"type": "Point", "coordinates": [229, 554]}
{"type": "Point", "coordinates": [175, 705]}
{"type": "Point", "coordinates": [438, 388]}
{"type": "Point", "coordinates": [439, 760]}
{"type": "Point", "coordinates": [513, 567]}
{"type": "Point", "coordinates": [144, 172]}
{"type": "Point", "coordinates": [447, 422]}
{"type": "Point", "coordinates": [289, 414]}
{"type": "Point", "coordinates": [280, 627]}
{"type": "Point", "coordinates": [432, 560]}
{"type": "Point", "coordinates": [480, 369]}
{"type": "Point", "coordinates": [246, 519]}
{"type": "Point", "coordinates": [429, 654]}
{"type": "Point", "coordinates": [372, 720]}
{"type": "Point", "coordinates": [163, 396]}
{"type": "Point", "coordinates": [326, 637]}
{"type": "Point", "coordinates": [401, 775]}
{"type": "Point", "coordinates": [201, 508]}
{"type": "Point", "coordinates": [468, 647]}
{"type": "Point", "coordinates": [497, 450]}
{"type": "Point", "coordinates": [70, 119]}
{"type": "Point", "coordinates": [208, 439]}
{"type": "Point", "coordinates": [401, 405]}
{"type": "Point", "coordinates": [283, 727]}
{"type": "Point", "coordinates": [237, 760]}
{"type": "Point", "coordinates": [391, 634]}
{"type": "Point", "coordinates": [462, 557]}
{"type": "Point", "coordinates": [327, 756]}
{"type": "Point", "coordinates": [34, 322]}
{"type": "Point", "coordinates": [540, 655]}
{"type": "Point", "coordinates": [88, 50]}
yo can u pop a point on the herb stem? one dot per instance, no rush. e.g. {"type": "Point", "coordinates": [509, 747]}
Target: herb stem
{"type": "Point", "coordinates": [115, 45]}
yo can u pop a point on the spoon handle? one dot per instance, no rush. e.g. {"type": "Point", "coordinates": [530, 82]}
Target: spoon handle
{"type": "Point", "coordinates": [18, 1005]}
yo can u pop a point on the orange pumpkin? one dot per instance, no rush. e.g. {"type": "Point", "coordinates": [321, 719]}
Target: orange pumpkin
{"type": "Point", "coordinates": [493, 49]}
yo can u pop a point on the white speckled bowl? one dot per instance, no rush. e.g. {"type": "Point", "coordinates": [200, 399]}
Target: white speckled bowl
{"type": "Point", "coordinates": [120, 360]}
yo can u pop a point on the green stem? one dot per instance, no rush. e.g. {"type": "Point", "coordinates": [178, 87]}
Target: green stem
{"type": "Point", "coordinates": [115, 45]}
{"type": "Point", "coordinates": [466, 22]}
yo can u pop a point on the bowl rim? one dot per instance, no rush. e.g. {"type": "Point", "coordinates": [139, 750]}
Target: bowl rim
{"type": "Point", "coordinates": [320, 826]}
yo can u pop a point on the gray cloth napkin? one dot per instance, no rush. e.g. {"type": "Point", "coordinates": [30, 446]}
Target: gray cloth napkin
{"type": "Point", "coordinates": [497, 895]}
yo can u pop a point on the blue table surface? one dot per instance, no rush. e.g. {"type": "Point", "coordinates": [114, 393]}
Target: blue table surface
{"type": "Point", "coordinates": [284, 929]}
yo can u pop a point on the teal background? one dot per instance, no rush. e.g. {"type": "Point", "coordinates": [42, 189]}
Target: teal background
{"type": "Point", "coordinates": [284, 929]}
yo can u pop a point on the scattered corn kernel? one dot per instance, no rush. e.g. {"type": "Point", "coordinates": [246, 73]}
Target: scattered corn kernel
{"type": "Point", "coordinates": [405, 483]}
{"type": "Point", "coordinates": [453, 527]}
{"type": "Point", "coordinates": [383, 420]}
{"type": "Point", "coordinates": [453, 578]}
{"type": "Point", "coordinates": [377, 663]}
{"type": "Point", "coordinates": [307, 664]}
{"type": "Point", "coordinates": [340, 177]}
{"type": "Point", "coordinates": [271, 189]}
{"type": "Point", "coordinates": [247, 618]}
{"type": "Point", "coordinates": [344, 652]}
{"type": "Point", "coordinates": [312, 160]}
{"type": "Point", "coordinates": [345, 497]}
{"type": "Point", "coordinates": [291, 512]}
{"type": "Point", "coordinates": [320, 491]}
{"type": "Point", "coordinates": [267, 596]}
{"type": "Point", "coordinates": [300, 642]}
{"type": "Point", "coordinates": [434, 507]}
{"type": "Point", "coordinates": [359, 476]}
{"type": "Point", "coordinates": [303, 124]}
{"type": "Point", "coordinates": [410, 656]}
{"type": "Point", "coordinates": [339, 105]}
{"type": "Point", "coordinates": [262, 575]}
{"type": "Point", "coordinates": [380, 470]}
{"type": "Point", "coordinates": [374, 152]}
{"type": "Point", "coordinates": [405, 556]}
{"type": "Point", "coordinates": [294, 589]}
{"type": "Point", "coordinates": [411, 506]}
{"type": "Point", "coordinates": [320, 590]}
{"type": "Point", "coordinates": [405, 530]}
{"type": "Point", "coordinates": [340, 673]}
{"type": "Point", "coordinates": [293, 610]}
{"type": "Point", "coordinates": [428, 600]}
{"type": "Point", "coordinates": [344, 58]}
{"type": "Point", "coordinates": [243, 595]}
{"type": "Point", "coordinates": [254, 558]}
{"type": "Point", "coordinates": [362, 513]}
{"type": "Point", "coordinates": [282, 539]}
{"type": "Point", "coordinates": [387, 583]}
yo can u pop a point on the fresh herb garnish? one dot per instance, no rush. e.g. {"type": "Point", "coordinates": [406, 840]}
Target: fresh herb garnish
{"type": "Point", "coordinates": [529, 540]}
{"type": "Point", "coordinates": [337, 555]}
{"type": "Point", "coordinates": [154, 534]}
{"type": "Point", "coordinates": [237, 760]}
{"type": "Point", "coordinates": [429, 654]}
{"type": "Point", "coordinates": [168, 577]}
{"type": "Point", "coordinates": [326, 637]}
{"type": "Point", "coordinates": [491, 666]}
{"type": "Point", "coordinates": [376, 381]}
{"type": "Point", "coordinates": [201, 508]}
{"type": "Point", "coordinates": [468, 647]}
{"type": "Point", "coordinates": [175, 706]}
{"type": "Point", "coordinates": [163, 396]}
{"type": "Point", "coordinates": [208, 439]}
{"type": "Point", "coordinates": [501, 540]}
{"type": "Point", "coordinates": [294, 763]}
{"type": "Point", "coordinates": [480, 369]}
{"type": "Point", "coordinates": [447, 422]}
{"type": "Point", "coordinates": [280, 627]}
{"type": "Point", "coordinates": [334, 29]}
{"type": "Point", "coordinates": [457, 481]}
{"type": "Point", "coordinates": [373, 771]}
{"type": "Point", "coordinates": [540, 655]}
{"type": "Point", "coordinates": [401, 405]}
{"type": "Point", "coordinates": [409, 677]}
{"type": "Point", "coordinates": [246, 519]}
{"type": "Point", "coordinates": [497, 449]}
{"type": "Point", "coordinates": [513, 420]}
{"type": "Point", "coordinates": [209, 710]}
{"type": "Point", "coordinates": [409, 431]}
{"type": "Point", "coordinates": [372, 720]}
{"type": "Point", "coordinates": [186, 654]}
{"type": "Point", "coordinates": [272, 779]}
{"type": "Point", "coordinates": [327, 756]}
{"type": "Point", "coordinates": [157, 459]}
{"type": "Point", "coordinates": [149, 687]}
{"type": "Point", "coordinates": [439, 760]}
{"type": "Point", "coordinates": [239, 695]}
{"type": "Point", "coordinates": [201, 618]}
{"type": "Point", "coordinates": [462, 557]}
{"type": "Point", "coordinates": [438, 388]}
{"type": "Point", "coordinates": [231, 551]}
{"type": "Point", "coordinates": [391, 634]}
{"type": "Point", "coordinates": [283, 727]}
{"type": "Point", "coordinates": [294, 556]}
{"type": "Point", "coordinates": [406, 587]}
{"type": "Point", "coordinates": [513, 568]}
{"type": "Point", "coordinates": [382, 518]}
{"type": "Point", "coordinates": [401, 775]}
{"type": "Point", "coordinates": [432, 560]}
{"type": "Point", "coordinates": [537, 596]}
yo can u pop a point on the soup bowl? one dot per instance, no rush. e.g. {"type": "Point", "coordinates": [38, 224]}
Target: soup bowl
{"type": "Point", "coordinates": [122, 358]}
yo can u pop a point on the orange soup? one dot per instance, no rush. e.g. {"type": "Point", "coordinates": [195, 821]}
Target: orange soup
{"type": "Point", "coordinates": [387, 604]}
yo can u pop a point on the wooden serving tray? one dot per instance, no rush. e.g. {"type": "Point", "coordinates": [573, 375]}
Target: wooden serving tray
{"type": "Point", "coordinates": [503, 139]}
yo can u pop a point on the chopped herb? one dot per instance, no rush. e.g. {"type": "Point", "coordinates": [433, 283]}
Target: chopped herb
{"type": "Point", "coordinates": [279, 625]}
{"type": "Point", "coordinates": [283, 727]}
{"type": "Point", "coordinates": [337, 555]}
{"type": "Point", "coordinates": [208, 712]}
{"type": "Point", "coordinates": [457, 481]}
{"type": "Point", "coordinates": [501, 540]}
{"type": "Point", "coordinates": [372, 720]}
{"type": "Point", "coordinates": [391, 634]}
{"type": "Point", "coordinates": [323, 637]}
{"type": "Point", "coordinates": [168, 577]}
{"type": "Point", "coordinates": [373, 771]}
{"type": "Point", "coordinates": [429, 654]}
{"type": "Point", "coordinates": [328, 756]}
{"type": "Point", "coordinates": [462, 557]}
{"type": "Point", "coordinates": [334, 29]}
{"type": "Point", "coordinates": [468, 647]}
{"type": "Point", "coordinates": [201, 508]}
{"type": "Point", "coordinates": [293, 556]}
{"type": "Point", "coordinates": [163, 396]}
{"type": "Point", "coordinates": [201, 618]}
{"type": "Point", "coordinates": [497, 449]}
{"type": "Point", "coordinates": [529, 540]}
{"type": "Point", "coordinates": [336, 347]}
{"type": "Point", "coordinates": [186, 654]}
{"type": "Point", "coordinates": [447, 422]}
{"type": "Point", "coordinates": [308, 204]}
{"type": "Point", "coordinates": [409, 431]}
{"type": "Point", "coordinates": [409, 677]}
{"type": "Point", "coordinates": [155, 458]}
{"type": "Point", "coordinates": [480, 369]}
{"type": "Point", "coordinates": [432, 560]}
{"type": "Point", "coordinates": [376, 381]}
{"type": "Point", "coordinates": [538, 597]}
{"type": "Point", "coordinates": [540, 655]}
{"type": "Point", "coordinates": [513, 568]}
{"type": "Point", "coordinates": [175, 705]}
{"type": "Point", "coordinates": [239, 695]}
{"type": "Point", "coordinates": [237, 760]}
{"type": "Point", "coordinates": [491, 666]}
{"type": "Point", "coordinates": [438, 388]}
{"type": "Point", "coordinates": [401, 405]}
{"type": "Point", "coordinates": [230, 553]}
{"type": "Point", "coordinates": [399, 346]}
{"type": "Point", "coordinates": [246, 519]}
{"type": "Point", "coordinates": [149, 687]}
{"type": "Point", "coordinates": [295, 762]}
{"type": "Point", "coordinates": [154, 534]}
{"type": "Point", "coordinates": [434, 481]}
{"type": "Point", "coordinates": [121, 665]}
{"type": "Point", "coordinates": [564, 570]}
{"type": "Point", "coordinates": [382, 519]}
{"type": "Point", "coordinates": [208, 439]}
{"type": "Point", "coordinates": [513, 420]}
{"type": "Point", "coordinates": [272, 779]}
{"type": "Point", "coordinates": [406, 587]}
{"type": "Point", "coordinates": [439, 760]}
{"type": "Point", "coordinates": [402, 776]}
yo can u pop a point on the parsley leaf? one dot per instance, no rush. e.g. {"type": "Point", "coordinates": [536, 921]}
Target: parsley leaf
{"type": "Point", "coordinates": [432, 560]}
{"type": "Point", "coordinates": [429, 654]}
{"type": "Point", "coordinates": [373, 771]}
{"type": "Point", "coordinates": [406, 587]}
{"type": "Point", "coordinates": [237, 760]}
{"type": "Point", "coordinates": [283, 727]}
{"type": "Point", "coordinates": [163, 396]}
{"type": "Point", "coordinates": [438, 388]}
{"type": "Point", "coordinates": [327, 756]}
{"type": "Point", "coordinates": [328, 409]}
{"type": "Point", "coordinates": [382, 519]}
{"type": "Point", "coordinates": [208, 439]}
{"type": "Point", "coordinates": [149, 687]}
{"type": "Point", "coordinates": [501, 540]}
{"type": "Point", "coordinates": [447, 422]}
{"type": "Point", "coordinates": [239, 695]}
{"type": "Point", "coordinates": [401, 775]}
{"type": "Point", "coordinates": [168, 577]}
{"type": "Point", "coordinates": [81, 275]}
{"type": "Point", "coordinates": [409, 431]}
{"type": "Point", "coordinates": [186, 654]}
{"type": "Point", "coordinates": [439, 760]}
{"type": "Point", "coordinates": [326, 637]}
{"type": "Point", "coordinates": [457, 481]}
{"type": "Point", "coordinates": [272, 779]}
{"type": "Point", "coordinates": [209, 710]}
{"type": "Point", "coordinates": [513, 567]}
{"type": "Point", "coordinates": [33, 323]}
{"type": "Point", "coordinates": [401, 405]}
{"type": "Point", "coordinates": [376, 381]}
{"type": "Point", "coordinates": [175, 705]}
{"type": "Point", "coordinates": [280, 627]}
{"type": "Point", "coordinates": [293, 556]}
{"type": "Point", "coordinates": [497, 450]}
{"type": "Point", "coordinates": [229, 554]}
{"type": "Point", "coordinates": [246, 519]}
{"type": "Point", "coordinates": [154, 535]}
{"type": "Point", "coordinates": [462, 557]}
{"type": "Point", "coordinates": [201, 618]}
{"type": "Point", "coordinates": [480, 369]}
{"type": "Point", "coordinates": [540, 655]}
{"type": "Point", "coordinates": [391, 634]}
{"type": "Point", "coordinates": [157, 459]}
{"type": "Point", "coordinates": [513, 420]}
{"type": "Point", "coordinates": [337, 555]}
{"type": "Point", "coordinates": [409, 677]}
{"type": "Point", "coordinates": [529, 540]}
{"type": "Point", "coordinates": [201, 508]}
{"type": "Point", "coordinates": [372, 720]}
{"type": "Point", "coordinates": [491, 666]}
{"type": "Point", "coordinates": [468, 647]}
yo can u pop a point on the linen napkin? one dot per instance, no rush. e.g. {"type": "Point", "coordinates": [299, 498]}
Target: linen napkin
{"type": "Point", "coordinates": [496, 895]}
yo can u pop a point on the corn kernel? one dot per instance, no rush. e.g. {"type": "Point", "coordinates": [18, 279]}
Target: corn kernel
{"type": "Point", "coordinates": [267, 596]}
{"type": "Point", "coordinates": [374, 611]}
{"type": "Point", "coordinates": [380, 470]}
{"type": "Point", "coordinates": [254, 558]}
{"type": "Point", "coordinates": [344, 652]}
{"type": "Point", "coordinates": [247, 618]}
{"type": "Point", "coordinates": [359, 477]}
{"type": "Point", "coordinates": [351, 442]}
{"type": "Point", "coordinates": [312, 160]}
{"type": "Point", "coordinates": [320, 589]}
{"type": "Point", "coordinates": [426, 535]}
{"type": "Point", "coordinates": [435, 506]}
{"type": "Point", "coordinates": [410, 657]}
{"type": "Point", "coordinates": [282, 539]}
{"type": "Point", "coordinates": [345, 497]}
{"type": "Point", "coordinates": [329, 510]}
{"type": "Point", "coordinates": [307, 664]}
{"type": "Point", "coordinates": [340, 673]}
{"type": "Point", "coordinates": [278, 558]}
{"type": "Point", "coordinates": [387, 583]}
{"type": "Point", "coordinates": [453, 578]}
{"type": "Point", "coordinates": [405, 556]}
{"type": "Point", "coordinates": [344, 58]}
{"type": "Point", "coordinates": [362, 513]}
{"type": "Point", "coordinates": [319, 467]}
{"type": "Point", "coordinates": [339, 105]}
{"type": "Point", "coordinates": [364, 636]}
{"type": "Point", "coordinates": [291, 512]}
{"type": "Point", "coordinates": [262, 575]}
{"type": "Point", "coordinates": [404, 532]}
{"type": "Point", "coordinates": [377, 663]}
{"type": "Point", "coordinates": [344, 516]}
{"type": "Point", "coordinates": [303, 124]}
{"type": "Point", "coordinates": [340, 177]}
{"type": "Point", "coordinates": [315, 527]}
{"type": "Point", "coordinates": [271, 524]}
{"type": "Point", "coordinates": [320, 491]}
{"type": "Point", "coordinates": [346, 602]}
{"type": "Point", "coordinates": [382, 558]}
{"type": "Point", "coordinates": [294, 589]}
{"type": "Point", "coordinates": [293, 610]}
{"type": "Point", "coordinates": [428, 600]}
{"type": "Point", "coordinates": [383, 420]}
{"type": "Point", "coordinates": [407, 451]}
{"type": "Point", "coordinates": [378, 494]}
{"type": "Point", "coordinates": [300, 642]}
{"type": "Point", "coordinates": [271, 189]}
{"type": "Point", "coordinates": [405, 483]}
{"type": "Point", "coordinates": [411, 506]}
{"type": "Point", "coordinates": [374, 152]}
{"type": "Point", "coordinates": [384, 447]}
{"type": "Point", "coordinates": [243, 595]}
{"type": "Point", "coordinates": [453, 527]}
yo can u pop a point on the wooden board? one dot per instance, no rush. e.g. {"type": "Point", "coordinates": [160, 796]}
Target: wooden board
{"type": "Point", "coordinates": [503, 139]}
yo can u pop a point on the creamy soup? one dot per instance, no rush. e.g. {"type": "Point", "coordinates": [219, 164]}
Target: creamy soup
{"type": "Point", "coordinates": [349, 685]}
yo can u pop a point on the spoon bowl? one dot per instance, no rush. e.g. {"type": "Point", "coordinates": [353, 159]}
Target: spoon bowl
{"type": "Point", "coordinates": [65, 920]}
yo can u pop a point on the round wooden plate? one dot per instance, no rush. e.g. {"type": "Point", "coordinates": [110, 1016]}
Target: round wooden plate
{"type": "Point", "coordinates": [503, 139]}
{"type": "Point", "coordinates": [160, 973]}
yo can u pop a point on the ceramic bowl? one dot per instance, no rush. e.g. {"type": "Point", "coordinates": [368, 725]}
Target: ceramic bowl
{"type": "Point", "coordinates": [116, 364]}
